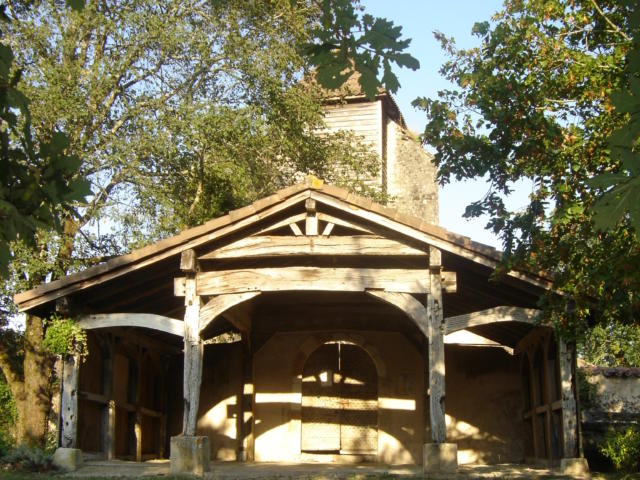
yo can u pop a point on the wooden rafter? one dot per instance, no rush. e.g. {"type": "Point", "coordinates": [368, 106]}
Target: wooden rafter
{"type": "Point", "coordinates": [491, 315]}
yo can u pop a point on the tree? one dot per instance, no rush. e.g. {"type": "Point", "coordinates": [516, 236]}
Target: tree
{"type": "Point", "coordinates": [39, 177]}
{"type": "Point", "coordinates": [175, 122]}
{"type": "Point", "coordinates": [623, 187]}
{"type": "Point", "coordinates": [533, 102]}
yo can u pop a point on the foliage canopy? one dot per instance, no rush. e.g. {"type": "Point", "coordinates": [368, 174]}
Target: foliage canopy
{"type": "Point", "coordinates": [534, 102]}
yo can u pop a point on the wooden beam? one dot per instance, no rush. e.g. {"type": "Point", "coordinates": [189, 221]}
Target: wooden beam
{"type": "Point", "coordinates": [140, 320]}
{"type": "Point", "coordinates": [327, 229]}
{"type": "Point", "coordinates": [193, 353]}
{"type": "Point", "coordinates": [69, 401]}
{"type": "Point", "coordinates": [449, 282]}
{"type": "Point", "coordinates": [296, 229]}
{"type": "Point", "coordinates": [188, 261]}
{"type": "Point", "coordinates": [569, 406]}
{"type": "Point", "coordinates": [435, 330]}
{"type": "Point", "coordinates": [325, 217]}
{"type": "Point", "coordinates": [282, 223]}
{"type": "Point", "coordinates": [286, 246]}
{"type": "Point", "coordinates": [406, 303]}
{"type": "Point", "coordinates": [491, 315]}
{"type": "Point", "coordinates": [311, 220]}
{"type": "Point", "coordinates": [220, 304]}
{"type": "Point", "coordinates": [308, 278]}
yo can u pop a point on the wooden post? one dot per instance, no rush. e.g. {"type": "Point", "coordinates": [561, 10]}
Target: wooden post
{"type": "Point", "coordinates": [246, 410]}
{"type": "Point", "coordinates": [435, 329]}
{"type": "Point", "coordinates": [311, 220]}
{"type": "Point", "coordinates": [69, 404]}
{"type": "Point", "coordinates": [109, 411]}
{"type": "Point", "coordinates": [193, 346]}
{"type": "Point", "coordinates": [137, 429]}
{"type": "Point", "coordinates": [569, 410]}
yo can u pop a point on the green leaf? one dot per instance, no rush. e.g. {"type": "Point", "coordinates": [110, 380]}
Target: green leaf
{"type": "Point", "coordinates": [77, 5]}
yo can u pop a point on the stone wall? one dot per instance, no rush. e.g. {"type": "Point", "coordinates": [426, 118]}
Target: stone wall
{"type": "Point", "coordinates": [610, 398]}
{"type": "Point", "coordinates": [411, 175]}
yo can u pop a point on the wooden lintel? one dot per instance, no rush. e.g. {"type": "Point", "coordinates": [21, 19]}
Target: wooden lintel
{"type": "Point", "coordinates": [279, 246]}
{"type": "Point", "coordinates": [140, 320]}
{"type": "Point", "coordinates": [491, 315]}
{"type": "Point", "coordinates": [310, 278]}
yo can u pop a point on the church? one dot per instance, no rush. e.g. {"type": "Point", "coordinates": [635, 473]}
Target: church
{"type": "Point", "coordinates": [315, 325]}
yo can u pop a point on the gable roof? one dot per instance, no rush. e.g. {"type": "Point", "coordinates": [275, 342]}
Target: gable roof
{"type": "Point", "coordinates": [388, 218]}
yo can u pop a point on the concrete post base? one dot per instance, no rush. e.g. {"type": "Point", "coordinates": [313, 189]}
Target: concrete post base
{"type": "Point", "coordinates": [67, 459]}
{"type": "Point", "coordinates": [189, 455]}
{"type": "Point", "coordinates": [440, 457]}
{"type": "Point", "coordinates": [574, 467]}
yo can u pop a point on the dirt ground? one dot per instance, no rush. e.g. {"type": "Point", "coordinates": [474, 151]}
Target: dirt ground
{"type": "Point", "coordinates": [100, 470]}
{"type": "Point", "coordinates": [250, 471]}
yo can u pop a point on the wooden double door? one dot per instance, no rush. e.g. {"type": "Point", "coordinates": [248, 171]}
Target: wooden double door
{"type": "Point", "coordinates": [340, 401]}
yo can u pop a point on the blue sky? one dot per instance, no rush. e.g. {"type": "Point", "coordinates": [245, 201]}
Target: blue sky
{"type": "Point", "coordinates": [454, 18]}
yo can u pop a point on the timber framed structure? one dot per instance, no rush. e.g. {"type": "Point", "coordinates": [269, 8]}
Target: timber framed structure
{"type": "Point", "coordinates": [313, 325]}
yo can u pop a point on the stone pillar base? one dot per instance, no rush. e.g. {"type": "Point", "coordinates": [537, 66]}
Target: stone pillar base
{"type": "Point", "coordinates": [189, 455]}
{"type": "Point", "coordinates": [440, 457]}
{"type": "Point", "coordinates": [67, 459]}
{"type": "Point", "coordinates": [574, 467]}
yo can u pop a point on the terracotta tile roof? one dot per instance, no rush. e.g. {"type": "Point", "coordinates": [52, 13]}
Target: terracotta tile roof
{"type": "Point", "coordinates": [207, 231]}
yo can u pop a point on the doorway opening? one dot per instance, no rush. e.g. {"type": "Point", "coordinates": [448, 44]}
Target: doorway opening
{"type": "Point", "coordinates": [339, 401]}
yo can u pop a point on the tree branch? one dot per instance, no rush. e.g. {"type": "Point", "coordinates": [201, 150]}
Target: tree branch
{"type": "Point", "coordinates": [606, 19]}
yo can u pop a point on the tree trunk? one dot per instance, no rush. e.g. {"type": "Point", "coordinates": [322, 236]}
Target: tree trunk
{"type": "Point", "coordinates": [38, 368]}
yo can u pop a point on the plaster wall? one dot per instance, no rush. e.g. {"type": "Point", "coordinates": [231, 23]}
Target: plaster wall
{"type": "Point", "coordinates": [484, 404]}
{"type": "Point", "coordinates": [277, 378]}
{"type": "Point", "coordinates": [218, 413]}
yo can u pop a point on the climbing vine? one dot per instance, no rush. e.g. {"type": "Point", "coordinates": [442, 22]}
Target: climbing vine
{"type": "Point", "coordinates": [65, 337]}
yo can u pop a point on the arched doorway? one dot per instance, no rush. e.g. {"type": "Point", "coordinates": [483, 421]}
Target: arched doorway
{"type": "Point", "coordinates": [339, 401]}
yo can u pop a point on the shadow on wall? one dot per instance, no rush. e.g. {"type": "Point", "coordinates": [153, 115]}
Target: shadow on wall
{"type": "Point", "coordinates": [484, 403]}
{"type": "Point", "coordinates": [219, 411]}
{"type": "Point", "coordinates": [279, 399]}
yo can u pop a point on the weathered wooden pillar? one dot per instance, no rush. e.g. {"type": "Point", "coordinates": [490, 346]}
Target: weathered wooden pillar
{"type": "Point", "coordinates": [570, 463]}
{"type": "Point", "coordinates": [109, 411]}
{"type": "Point", "coordinates": [435, 329]}
{"type": "Point", "coordinates": [246, 410]}
{"type": "Point", "coordinates": [68, 457]}
{"type": "Point", "coordinates": [190, 454]}
{"type": "Point", "coordinates": [69, 403]}
{"type": "Point", "coordinates": [137, 428]}
{"type": "Point", "coordinates": [438, 456]}
{"type": "Point", "coordinates": [193, 346]}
